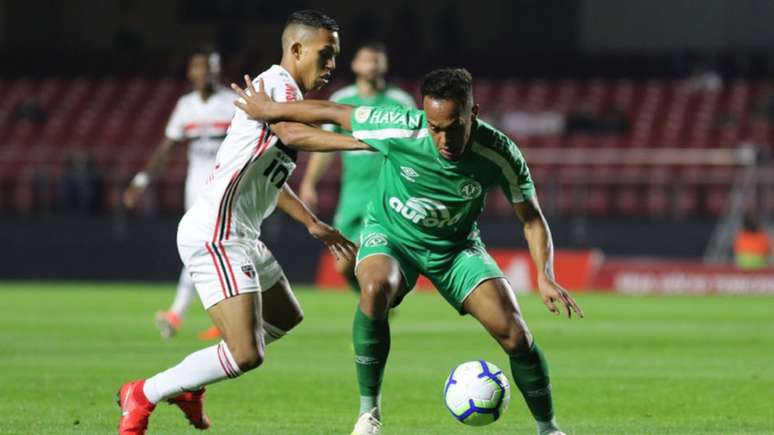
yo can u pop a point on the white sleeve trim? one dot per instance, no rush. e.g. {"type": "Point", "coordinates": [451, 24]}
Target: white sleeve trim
{"type": "Point", "coordinates": [390, 133]}
{"type": "Point", "coordinates": [510, 174]}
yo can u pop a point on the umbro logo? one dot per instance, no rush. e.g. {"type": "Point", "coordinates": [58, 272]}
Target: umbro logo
{"type": "Point", "coordinates": [408, 173]}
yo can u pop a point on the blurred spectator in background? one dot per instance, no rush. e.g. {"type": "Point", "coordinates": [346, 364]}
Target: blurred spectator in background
{"type": "Point", "coordinates": [29, 109]}
{"type": "Point", "coordinates": [532, 122]}
{"type": "Point", "coordinates": [80, 184]}
{"type": "Point", "coordinates": [613, 121]}
{"type": "Point", "coordinates": [703, 79]}
{"type": "Point", "coordinates": [752, 246]}
{"type": "Point", "coordinates": [582, 120]}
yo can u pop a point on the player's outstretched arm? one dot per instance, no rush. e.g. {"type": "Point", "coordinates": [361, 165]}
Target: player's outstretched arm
{"type": "Point", "coordinates": [315, 168]}
{"type": "Point", "coordinates": [152, 168]}
{"type": "Point", "coordinates": [339, 246]}
{"type": "Point", "coordinates": [307, 138]}
{"type": "Point", "coordinates": [258, 105]}
{"type": "Point", "coordinates": [541, 248]}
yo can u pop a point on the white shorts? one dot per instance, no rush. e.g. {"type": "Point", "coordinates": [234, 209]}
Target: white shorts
{"type": "Point", "coordinates": [229, 268]}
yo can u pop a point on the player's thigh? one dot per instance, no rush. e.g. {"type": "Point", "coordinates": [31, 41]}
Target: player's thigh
{"type": "Point", "coordinates": [456, 274]}
{"type": "Point", "coordinates": [280, 306]}
{"type": "Point", "coordinates": [236, 319]}
{"type": "Point", "coordinates": [278, 303]}
{"type": "Point", "coordinates": [228, 293]}
{"type": "Point", "coordinates": [384, 273]}
{"type": "Point", "coordinates": [494, 305]}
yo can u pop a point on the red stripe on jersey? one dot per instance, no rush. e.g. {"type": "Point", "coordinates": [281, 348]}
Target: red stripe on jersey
{"type": "Point", "coordinates": [217, 269]}
{"type": "Point", "coordinates": [230, 270]}
{"type": "Point", "coordinates": [258, 153]}
{"type": "Point", "coordinates": [221, 125]}
{"type": "Point", "coordinates": [220, 206]}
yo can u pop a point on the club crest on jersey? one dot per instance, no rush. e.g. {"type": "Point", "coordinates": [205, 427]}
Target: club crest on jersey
{"type": "Point", "coordinates": [470, 189]}
{"type": "Point", "coordinates": [248, 270]}
{"type": "Point", "coordinates": [362, 113]}
{"type": "Point", "coordinates": [408, 173]}
{"type": "Point", "coordinates": [375, 239]}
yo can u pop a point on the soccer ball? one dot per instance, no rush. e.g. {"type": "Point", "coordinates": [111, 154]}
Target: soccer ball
{"type": "Point", "coordinates": [477, 393]}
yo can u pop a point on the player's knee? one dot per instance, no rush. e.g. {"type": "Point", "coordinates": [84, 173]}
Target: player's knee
{"type": "Point", "coordinates": [248, 357]}
{"type": "Point", "coordinates": [515, 340]}
{"type": "Point", "coordinates": [295, 319]}
{"type": "Point", "coordinates": [374, 295]}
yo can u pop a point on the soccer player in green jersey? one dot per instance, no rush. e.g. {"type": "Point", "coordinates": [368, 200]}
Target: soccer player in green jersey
{"type": "Point", "coordinates": [439, 164]}
{"type": "Point", "coordinates": [360, 169]}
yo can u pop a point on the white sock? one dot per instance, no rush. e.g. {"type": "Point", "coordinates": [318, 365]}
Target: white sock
{"type": "Point", "coordinates": [271, 333]}
{"type": "Point", "coordinates": [184, 295]}
{"type": "Point", "coordinates": [204, 367]}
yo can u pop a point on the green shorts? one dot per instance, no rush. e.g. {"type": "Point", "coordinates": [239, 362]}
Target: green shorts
{"type": "Point", "coordinates": [350, 224]}
{"type": "Point", "coordinates": [455, 273]}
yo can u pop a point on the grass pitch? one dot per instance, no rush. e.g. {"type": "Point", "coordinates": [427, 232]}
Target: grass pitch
{"type": "Point", "coordinates": [635, 365]}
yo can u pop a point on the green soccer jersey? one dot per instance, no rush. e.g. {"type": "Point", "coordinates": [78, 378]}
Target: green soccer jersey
{"type": "Point", "coordinates": [360, 169]}
{"type": "Point", "coordinates": [425, 200]}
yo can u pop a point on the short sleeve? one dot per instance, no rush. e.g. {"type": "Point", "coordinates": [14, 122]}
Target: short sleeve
{"type": "Point", "coordinates": [175, 129]}
{"type": "Point", "coordinates": [382, 127]}
{"type": "Point", "coordinates": [514, 177]}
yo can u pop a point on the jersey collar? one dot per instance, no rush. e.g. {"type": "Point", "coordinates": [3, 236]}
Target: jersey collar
{"type": "Point", "coordinates": [282, 71]}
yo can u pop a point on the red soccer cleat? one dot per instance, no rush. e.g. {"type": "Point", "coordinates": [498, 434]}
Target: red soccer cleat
{"type": "Point", "coordinates": [191, 403]}
{"type": "Point", "coordinates": [135, 409]}
{"type": "Point", "coordinates": [167, 323]}
{"type": "Point", "coordinates": [209, 334]}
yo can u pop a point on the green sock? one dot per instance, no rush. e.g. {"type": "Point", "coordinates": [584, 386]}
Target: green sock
{"type": "Point", "coordinates": [530, 373]}
{"type": "Point", "coordinates": [371, 339]}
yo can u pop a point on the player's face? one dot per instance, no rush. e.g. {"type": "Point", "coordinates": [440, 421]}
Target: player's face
{"type": "Point", "coordinates": [449, 125]}
{"type": "Point", "coordinates": [318, 59]}
{"type": "Point", "coordinates": [369, 64]}
{"type": "Point", "coordinates": [199, 71]}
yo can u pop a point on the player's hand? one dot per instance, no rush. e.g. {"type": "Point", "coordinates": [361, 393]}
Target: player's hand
{"type": "Point", "coordinates": [551, 292]}
{"type": "Point", "coordinates": [340, 246]}
{"type": "Point", "coordinates": [255, 102]}
{"type": "Point", "coordinates": [131, 196]}
{"type": "Point", "coordinates": [308, 195]}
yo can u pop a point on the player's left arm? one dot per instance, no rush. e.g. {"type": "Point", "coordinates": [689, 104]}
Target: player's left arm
{"type": "Point", "coordinates": [339, 246]}
{"type": "Point", "coordinates": [307, 138]}
{"type": "Point", "coordinates": [259, 105]}
{"type": "Point", "coordinates": [541, 248]}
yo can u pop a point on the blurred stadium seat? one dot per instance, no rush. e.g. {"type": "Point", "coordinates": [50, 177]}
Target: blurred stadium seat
{"type": "Point", "coordinates": [118, 120]}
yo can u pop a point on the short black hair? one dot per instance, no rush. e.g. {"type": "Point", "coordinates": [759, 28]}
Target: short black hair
{"type": "Point", "coordinates": [377, 46]}
{"type": "Point", "coordinates": [454, 84]}
{"type": "Point", "coordinates": [312, 18]}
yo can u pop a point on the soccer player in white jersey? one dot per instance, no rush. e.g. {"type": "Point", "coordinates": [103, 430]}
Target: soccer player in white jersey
{"type": "Point", "coordinates": [239, 282]}
{"type": "Point", "coordinates": [200, 118]}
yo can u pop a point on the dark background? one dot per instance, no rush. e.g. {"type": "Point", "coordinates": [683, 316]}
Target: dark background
{"type": "Point", "coordinates": [520, 39]}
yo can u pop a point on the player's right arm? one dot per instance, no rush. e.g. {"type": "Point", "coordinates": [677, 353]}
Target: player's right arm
{"type": "Point", "coordinates": [152, 168]}
{"type": "Point", "coordinates": [174, 134]}
{"type": "Point", "coordinates": [315, 168]}
{"type": "Point", "coordinates": [258, 105]}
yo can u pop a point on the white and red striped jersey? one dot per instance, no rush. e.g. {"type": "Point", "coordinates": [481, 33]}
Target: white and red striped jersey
{"type": "Point", "coordinates": [251, 168]}
{"type": "Point", "coordinates": [203, 124]}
